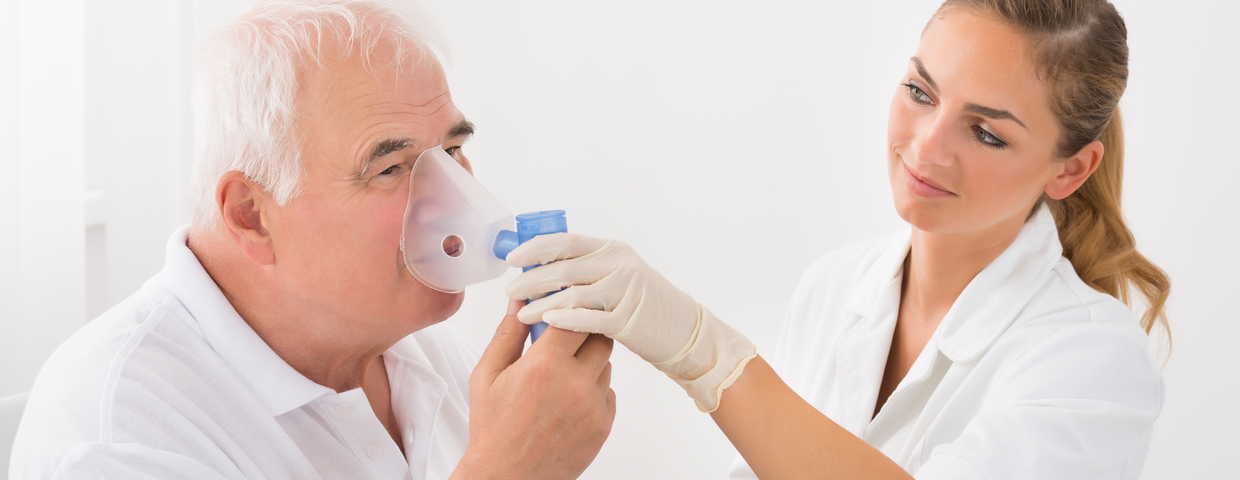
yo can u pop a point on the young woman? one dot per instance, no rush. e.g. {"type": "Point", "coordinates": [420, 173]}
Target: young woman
{"type": "Point", "coordinates": [991, 340]}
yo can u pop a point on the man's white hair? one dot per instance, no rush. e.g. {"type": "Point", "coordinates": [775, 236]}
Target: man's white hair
{"type": "Point", "coordinates": [247, 80]}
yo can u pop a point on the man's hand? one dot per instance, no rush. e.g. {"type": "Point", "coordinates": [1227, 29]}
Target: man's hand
{"type": "Point", "coordinates": [544, 415]}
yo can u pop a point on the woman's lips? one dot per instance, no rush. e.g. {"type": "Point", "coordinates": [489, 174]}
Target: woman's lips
{"type": "Point", "coordinates": [923, 187]}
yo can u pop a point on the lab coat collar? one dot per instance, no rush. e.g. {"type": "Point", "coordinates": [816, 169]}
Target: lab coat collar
{"type": "Point", "coordinates": [885, 268]}
{"type": "Point", "coordinates": [273, 381]}
{"type": "Point", "coordinates": [990, 302]}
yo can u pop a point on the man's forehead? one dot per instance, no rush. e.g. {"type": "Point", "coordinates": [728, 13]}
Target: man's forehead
{"type": "Point", "coordinates": [345, 82]}
{"type": "Point", "coordinates": [373, 108]}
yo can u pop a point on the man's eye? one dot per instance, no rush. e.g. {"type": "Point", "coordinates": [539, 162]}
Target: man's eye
{"type": "Point", "coordinates": [452, 150]}
{"type": "Point", "coordinates": [389, 170]}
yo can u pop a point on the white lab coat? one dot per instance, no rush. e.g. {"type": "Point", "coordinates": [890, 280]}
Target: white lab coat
{"type": "Point", "coordinates": [1032, 374]}
{"type": "Point", "coordinates": [172, 383]}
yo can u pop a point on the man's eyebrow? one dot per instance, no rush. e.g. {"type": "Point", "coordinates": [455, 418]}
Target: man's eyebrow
{"type": "Point", "coordinates": [383, 148]}
{"type": "Point", "coordinates": [464, 128]}
{"type": "Point", "coordinates": [992, 113]}
{"type": "Point", "coordinates": [921, 70]}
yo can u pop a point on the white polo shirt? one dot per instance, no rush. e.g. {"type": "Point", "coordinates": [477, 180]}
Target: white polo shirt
{"type": "Point", "coordinates": [1032, 374]}
{"type": "Point", "coordinates": [172, 383]}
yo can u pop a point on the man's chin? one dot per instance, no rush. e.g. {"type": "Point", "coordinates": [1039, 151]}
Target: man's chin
{"type": "Point", "coordinates": [455, 300]}
{"type": "Point", "coordinates": [434, 306]}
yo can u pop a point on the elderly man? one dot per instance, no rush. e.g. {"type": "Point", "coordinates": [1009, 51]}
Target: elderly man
{"type": "Point", "coordinates": [285, 338]}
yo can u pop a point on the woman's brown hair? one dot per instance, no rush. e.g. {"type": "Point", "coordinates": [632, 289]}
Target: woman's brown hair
{"type": "Point", "coordinates": [1080, 48]}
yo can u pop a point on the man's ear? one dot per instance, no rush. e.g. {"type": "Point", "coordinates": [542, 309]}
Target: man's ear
{"type": "Point", "coordinates": [242, 207]}
{"type": "Point", "coordinates": [1075, 171]}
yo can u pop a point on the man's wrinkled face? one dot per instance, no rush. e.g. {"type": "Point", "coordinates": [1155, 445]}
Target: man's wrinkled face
{"type": "Point", "coordinates": [338, 243]}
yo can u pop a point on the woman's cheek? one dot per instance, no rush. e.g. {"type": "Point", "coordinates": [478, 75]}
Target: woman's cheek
{"type": "Point", "coordinates": [899, 123]}
{"type": "Point", "coordinates": [993, 188]}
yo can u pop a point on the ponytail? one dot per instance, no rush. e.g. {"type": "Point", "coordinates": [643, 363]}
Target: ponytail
{"type": "Point", "coordinates": [1099, 244]}
{"type": "Point", "coordinates": [1081, 50]}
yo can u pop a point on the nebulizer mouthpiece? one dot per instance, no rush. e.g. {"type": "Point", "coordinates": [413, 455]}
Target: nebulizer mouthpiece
{"type": "Point", "coordinates": [456, 233]}
{"type": "Point", "coordinates": [452, 224]}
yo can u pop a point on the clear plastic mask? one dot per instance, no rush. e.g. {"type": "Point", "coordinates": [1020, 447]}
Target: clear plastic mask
{"type": "Point", "coordinates": [451, 225]}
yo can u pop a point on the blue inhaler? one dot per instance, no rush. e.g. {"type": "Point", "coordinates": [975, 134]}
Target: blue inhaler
{"type": "Point", "coordinates": [455, 232]}
{"type": "Point", "coordinates": [530, 225]}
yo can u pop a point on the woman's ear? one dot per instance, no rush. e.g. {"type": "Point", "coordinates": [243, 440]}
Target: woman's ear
{"type": "Point", "coordinates": [1075, 171]}
{"type": "Point", "coordinates": [243, 207]}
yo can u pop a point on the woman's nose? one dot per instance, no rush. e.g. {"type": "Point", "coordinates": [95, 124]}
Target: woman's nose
{"type": "Point", "coordinates": [931, 144]}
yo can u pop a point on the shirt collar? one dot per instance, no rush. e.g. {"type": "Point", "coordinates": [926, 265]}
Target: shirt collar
{"type": "Point", "coordinates": [276, 384]}
{"type": "Point", "coordinates": [885, 268]}
{"type": "Point", "coordinates": [991, 301]}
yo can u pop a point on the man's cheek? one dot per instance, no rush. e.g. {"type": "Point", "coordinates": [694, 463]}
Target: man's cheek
{"type": "Point", "coordinates": [391, 222]}
{"type": "Point", "coordinates": [385, 227]}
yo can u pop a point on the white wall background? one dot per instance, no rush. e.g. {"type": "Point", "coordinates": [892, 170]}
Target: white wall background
{"type": "Point", "coordinates": [730, 142]}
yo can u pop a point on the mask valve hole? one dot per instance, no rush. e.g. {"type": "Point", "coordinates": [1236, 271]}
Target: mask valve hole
{"type": "Point", "coordinates": [453, 246]}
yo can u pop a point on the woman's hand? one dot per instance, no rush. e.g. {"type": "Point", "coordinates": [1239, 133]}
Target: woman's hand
{"type": "Point", "coordinates": [614, 292]}
{"type": "Point", "coordinates": [611, 290]}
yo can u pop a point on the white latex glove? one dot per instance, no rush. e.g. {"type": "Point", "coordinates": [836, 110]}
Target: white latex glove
{"type": "Point", "coordinates": [614, 292]}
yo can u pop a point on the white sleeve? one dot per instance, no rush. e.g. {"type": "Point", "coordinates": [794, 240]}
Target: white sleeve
{"type": "Point", "coordinates": [1079, 404]}
{"type": "Point", "coordinates": [130, 461]}
{"type": "Point", "coordinates": [740, 470]}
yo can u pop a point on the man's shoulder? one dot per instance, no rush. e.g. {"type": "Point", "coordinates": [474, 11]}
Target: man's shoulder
{"type": "Point", "coordinates": [101, 347]}
{"type": "Point", "coordinates": [114, 364]}
{"type": "Point", "coordinates": [146, 330]}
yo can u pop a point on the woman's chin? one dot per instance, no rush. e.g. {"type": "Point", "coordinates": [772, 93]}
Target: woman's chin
{"type": "Point", "coordinates": [923, 217]}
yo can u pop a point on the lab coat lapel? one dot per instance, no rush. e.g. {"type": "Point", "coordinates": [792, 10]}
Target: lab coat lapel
{"type": "Point", "coordinates": [990, 302]}
{"type": "Point", "coordinates": [865, 343]}
{"type": "Point", "coordinates": [905, 408]}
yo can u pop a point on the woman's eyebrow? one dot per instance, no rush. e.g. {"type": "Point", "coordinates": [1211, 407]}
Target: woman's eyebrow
{"type": "Point", "coordinates": [987, 112]}
{"type": "Point", "coordinates": [921, 70]}
{"type": "Point", "coordinates": [992, 113]}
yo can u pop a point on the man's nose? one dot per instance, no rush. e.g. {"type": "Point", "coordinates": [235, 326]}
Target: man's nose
{"type": "Point", "coordinates": [932, 143]}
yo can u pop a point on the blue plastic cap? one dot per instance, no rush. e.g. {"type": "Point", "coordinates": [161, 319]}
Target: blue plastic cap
{"type": "Point", "coordinates": [533, 224]}
{"type": "Point", "coordinates": [505, 243]}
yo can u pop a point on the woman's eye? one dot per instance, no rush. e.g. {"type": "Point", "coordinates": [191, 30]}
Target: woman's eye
{"type": "Point", "coordinates": [918, 94]}
{"type": "Point", "coordinates": [987, 138]}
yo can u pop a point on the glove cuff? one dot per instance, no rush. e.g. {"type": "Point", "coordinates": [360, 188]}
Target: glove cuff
{"type": "Point", "coordinates": [712, 359]}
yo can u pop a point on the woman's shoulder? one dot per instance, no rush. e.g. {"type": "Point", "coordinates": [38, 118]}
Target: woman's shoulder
{"type": "Point", "coordinates": [1066, 301]}
{"type": "Point", "coordinates": [1090, 330]}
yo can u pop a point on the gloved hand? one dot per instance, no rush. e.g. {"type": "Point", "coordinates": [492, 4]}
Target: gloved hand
{"type": "Point", "coordinates": [614, 292]}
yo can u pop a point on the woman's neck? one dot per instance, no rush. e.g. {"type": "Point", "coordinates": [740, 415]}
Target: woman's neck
{"type": "Point", "coordinates": [940, 265]}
